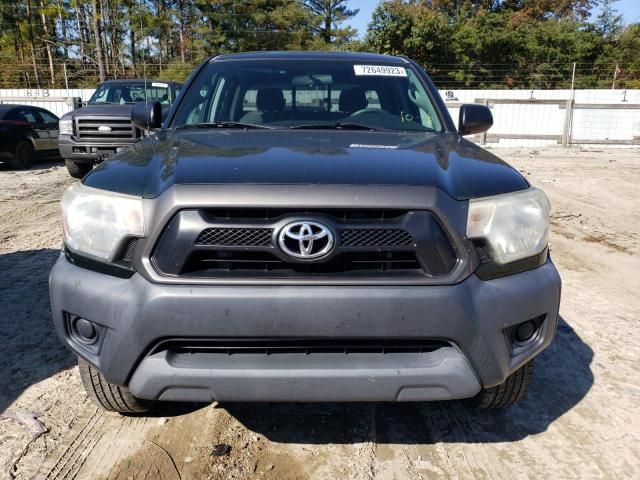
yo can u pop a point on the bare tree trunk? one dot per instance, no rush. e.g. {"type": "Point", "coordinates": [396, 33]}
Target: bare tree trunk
{"type": "Point", "coordinates": [132, 41]}
{"type": "Point", "coordinates": [63, 28]}
{"type": "Point", "coordinates": [97, 35]}
{"type": "Point", "coordinates": [104, 27]}
{"type": "Point", "coordinates": [182, 47]}
{"type": "Point", "coordinates": [33, 48]}
{"type": "Point", "coordinates": [328, 17]}
{"type": "Point", "coordinates": [47, 45]}
{"type": "Point", "coordinates": [80, 26]}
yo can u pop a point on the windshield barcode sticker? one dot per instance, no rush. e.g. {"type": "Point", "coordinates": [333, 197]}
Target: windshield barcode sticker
{"type": "Point", "coordinates": [384, 70]}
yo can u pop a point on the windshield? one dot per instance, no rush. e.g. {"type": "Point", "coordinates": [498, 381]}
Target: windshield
{"type": "Point", "coordinates": [308, 94]}
{"type": "Point", "coordinates": [121, 93]}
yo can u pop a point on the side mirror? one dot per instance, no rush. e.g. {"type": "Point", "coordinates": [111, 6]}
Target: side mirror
{"type": "Point", "coordinates": [474, 119]}
{"type": "Point", "coordinates": [147, 115]}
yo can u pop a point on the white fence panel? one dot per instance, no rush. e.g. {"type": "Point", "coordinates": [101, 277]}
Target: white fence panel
{"type": "Point", "coordinates": [57, 100]}
{"type": "Point", "coordinates": [615, 120]}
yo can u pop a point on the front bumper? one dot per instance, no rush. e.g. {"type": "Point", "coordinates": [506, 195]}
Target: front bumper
{"type": "Point", "coordinates": [472, 315]}
{"type": "Point", "coordinates": [88, 152]}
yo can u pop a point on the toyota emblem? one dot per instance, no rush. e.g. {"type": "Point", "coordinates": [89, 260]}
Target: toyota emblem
{"type": "Point", "coordinates": [306, 240]}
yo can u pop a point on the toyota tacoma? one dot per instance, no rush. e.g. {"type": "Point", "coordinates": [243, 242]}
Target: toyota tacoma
{"type": "Point", "coordinates": [102, 127]}
{"type": "Point", "coordinates": [305, 227]}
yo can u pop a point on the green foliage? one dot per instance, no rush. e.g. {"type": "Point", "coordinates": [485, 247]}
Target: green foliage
{"type": "Point", "coordinates": [412, 29]}
{"type": "Point", "coordinates": [502, 44]}
{"type": "Point", "coordinates": [462, 43]}
{"type": "Point", "coordinates": [256, 25]}
{"type": "Point", "coordinates": [609, 21]}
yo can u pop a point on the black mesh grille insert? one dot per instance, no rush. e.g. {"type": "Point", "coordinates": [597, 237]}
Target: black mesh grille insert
{"type": "Point", "coordinates": [235, 237]}
{"type": "Point", "coordinates": [129, 250]}
{"type": "Point", "coordinates": [378, 237]}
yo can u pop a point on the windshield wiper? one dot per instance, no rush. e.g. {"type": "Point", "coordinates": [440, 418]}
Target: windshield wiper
{"type": "Point", "coordinates": [225, 125]}
{"type": "Point", "coordinates": [335, 126]}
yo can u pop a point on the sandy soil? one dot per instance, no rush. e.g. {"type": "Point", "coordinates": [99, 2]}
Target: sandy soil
{"type": "Point", "coordinates": [581, 420]}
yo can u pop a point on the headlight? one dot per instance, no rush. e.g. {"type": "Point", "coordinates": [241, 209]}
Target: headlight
{"type": "Point", "coordinates": [94, 221]}
{"type": "Point", "coordinates": [65, 127]}
{"type": "Point", "coordinates": [516, 225]}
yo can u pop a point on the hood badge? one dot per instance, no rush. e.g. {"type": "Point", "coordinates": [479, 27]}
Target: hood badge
{"type": "Point", "coordinates": [104, 129]}
{"type": "Point", "coordinates": [306, 240]}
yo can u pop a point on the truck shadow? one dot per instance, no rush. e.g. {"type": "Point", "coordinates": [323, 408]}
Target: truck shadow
{"type": "Point", "coordinates": [30, 349]}
{"type": "Point", "coordinates": [562, 378]}
{"type": "Point", "coordinates": [31, 352]}
{"type": "Point", "coordinates": [38, 164]}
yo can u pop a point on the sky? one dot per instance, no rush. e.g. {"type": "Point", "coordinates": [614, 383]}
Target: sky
{"type": "Point", "coordinates": [629, 9]}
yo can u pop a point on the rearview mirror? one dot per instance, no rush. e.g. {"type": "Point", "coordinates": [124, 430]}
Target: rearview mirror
{"type": "Point", "coordinates": [147, 115]}
{"type": "Point", "coordinates": [474, 119]}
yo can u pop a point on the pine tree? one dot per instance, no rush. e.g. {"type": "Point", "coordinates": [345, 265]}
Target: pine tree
{"type": "Point", "coordinates": [609, 21]}
{"type": "Point", "coordinates": [328, 16]}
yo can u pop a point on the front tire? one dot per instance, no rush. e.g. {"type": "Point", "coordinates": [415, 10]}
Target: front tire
{"type": "Point", "coordinates": [77, 169]}
{"type": "Point", "coordinates": [23, 156]}
{"type": "Point", "coordinates": [513, 390]}
{"type": "Point", "coordinates": [111, 397]}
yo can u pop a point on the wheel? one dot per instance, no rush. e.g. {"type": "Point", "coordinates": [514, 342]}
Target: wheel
{"type": "Point", "coordinates": [109, 396]}
{"type": "Point", "coordinates": [24, 155]}
{"type": "Point", "coordinates": [77, 169]}
{"type": "Point", "coordinates": [513, 390]}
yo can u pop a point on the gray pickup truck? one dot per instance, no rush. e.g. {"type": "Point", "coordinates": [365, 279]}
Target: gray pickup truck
{"type": "Point", "coordinates": [306, 226]}
{"type": "Point", "coordinates": [103, 126]}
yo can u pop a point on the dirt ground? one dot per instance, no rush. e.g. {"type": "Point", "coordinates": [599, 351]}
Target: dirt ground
{"type": "Point", "coordinates": [581, 420]}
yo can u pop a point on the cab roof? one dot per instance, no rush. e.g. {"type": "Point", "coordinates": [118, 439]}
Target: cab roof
{"type": "Point", "coordinates": [303, 55]}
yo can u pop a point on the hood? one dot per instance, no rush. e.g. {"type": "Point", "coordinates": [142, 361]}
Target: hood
{"type": "Point", "coordinates": [288, 157]}
{"type": "Point", "coordinates": [107, 110]}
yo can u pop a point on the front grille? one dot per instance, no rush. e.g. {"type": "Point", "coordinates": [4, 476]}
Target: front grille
{"type": "Point", "coordinates": [235, 237]}
{"type": "Point", "coordinates": [378, 237]}
{"type": "Point", "coordinates": [304, 346]}
{"type": "Point", "coordinates": [121, 129]}
{"type": "Point", "coordinates": [243, 243]}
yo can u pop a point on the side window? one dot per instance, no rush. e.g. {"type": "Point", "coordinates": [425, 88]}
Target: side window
{"type": "Point", "coordinates": [249, 101]}
{"type": "Point", "coordinates": [30, 115]}
{"type": "Point", "coordinates": [48, 118]}
{"type": "Point", "coordinates": [418, 98]}
{"type": "Point", "coordinates": [373, 101]}
{"type": "Point", "coordinates": [15, 115]}
{"type": "Point", "coordinates": [312, 98]}
{"type": "Point", "coordinates": [194, 108]}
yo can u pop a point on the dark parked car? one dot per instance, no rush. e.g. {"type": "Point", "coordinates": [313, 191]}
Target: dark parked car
{"type": "Point", "coordinates": [306, 227]}
{"type": "Point", "coordinates": [27, 133]}
{"type": "Point", "coordinates": [102, 127]}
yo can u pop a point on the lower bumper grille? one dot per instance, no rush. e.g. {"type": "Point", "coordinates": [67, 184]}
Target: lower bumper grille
{"type": "Point", "coordinates": [304, 346]}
